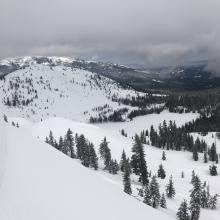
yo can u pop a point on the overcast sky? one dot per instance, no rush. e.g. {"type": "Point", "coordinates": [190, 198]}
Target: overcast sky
{"type": "Point", "coordinates": [153, 32]}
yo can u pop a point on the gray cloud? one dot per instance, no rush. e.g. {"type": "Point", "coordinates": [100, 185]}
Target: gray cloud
{"type": "Point", "coordinates": [154, 32]}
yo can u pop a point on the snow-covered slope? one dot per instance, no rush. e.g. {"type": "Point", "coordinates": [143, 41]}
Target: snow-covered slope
{"type": "Point", "coordinates": [174, 165]}
{"type": "Point", "coordinates": [39, 91]}
{"type": "Point", "coordinates": [38, 182]}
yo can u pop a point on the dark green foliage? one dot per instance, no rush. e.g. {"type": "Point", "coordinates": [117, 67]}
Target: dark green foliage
{"type": "Point", "coordinates": [193, 177]}
{"type": "Point", "coordinates": [212, 153]}
{"type": "Point", "coordinates": [123, 161]}
{"type": "Point", "coordinates": [126, 179]}
{"type": "Point", "coordinates": [163, 202]}
{"type": "Point", "coordinates": [164, 156]}
{"type": "Point", "coordinates": [205, 157]}
{"type": "Point", "coordinates": [105, 153]}
{"type": "Point", "coordinates": [170, 191]}
{"type": "Point", "coordinates": [183, 211]}
{"type": "Point", "coordinates": [5, 118]}
{"type": "Point", "coordinates": [68, 141]}
{"type": "Point", "coordinates": [195, 199]}
{"type": "Point", "coordinates": [154, 192]}
{"type": "Point", "coordinates": [138, 162]}
{"type": "Point", "coordinates": [147, 196]}
{"type": "Point", "coordinates": [213, 170]}
{"type": "Point", "coordinates": [93, 159]}
{"type": "Point", "coordinates": [161, 172]}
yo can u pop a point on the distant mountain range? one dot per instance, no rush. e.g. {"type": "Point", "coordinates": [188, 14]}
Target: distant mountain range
{"type": "Point", "coordinates": [185, 77]}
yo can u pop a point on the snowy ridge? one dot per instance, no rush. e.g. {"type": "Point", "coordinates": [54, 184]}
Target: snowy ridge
{"type": "Point", "coordinates": [40, 91]}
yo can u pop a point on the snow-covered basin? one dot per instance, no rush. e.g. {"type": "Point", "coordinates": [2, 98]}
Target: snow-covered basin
{"type": "Point", "coordinates": [141, 123]}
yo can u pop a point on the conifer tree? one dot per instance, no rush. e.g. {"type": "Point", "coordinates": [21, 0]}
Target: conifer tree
{"type": "Point", "coordinates": [123, 161]}
{"type": "Point", "coordinates": [51, 138]}
{"type": "Point", "coordinates": [213, 170]}
{"type": "Point", "coordinates": [68, 140]}
{"type": "Point", "coordinates": [212, 153]}
{"type": "Point", "coordinates": [127, 180]}
{"type": "Point", "coordinates": [161, 172]}
{"type": "Point", "coordinates": [205, 157]}
{"type": "Point", "coordinates": [138, 162]}
{"type": "Point", "coordinates": [193, 177]}
{"type": "Point", "coordinates": [93, 159]}
{"type": "Point", "coordinates": [170, 191]}
{"type": "Point", "coordinates": [154, 192]}
{"type": "Point", "coordinates": [183, 211]}
{"type": "Point", "coordinates": [147, 196]}
{"type": "Point", "coordinates": [213, 201]}
{"type": "Point", "coordinates": [195, 152]}
{"type": "Point", "coordinates": [163, 202]}
{"type": "Point", "coordinates": [61, 145]}
{"type": "Point", "coordinates": [5, 118]}
{"type": "Point", "coordinates": [182, 174]}
{"type": "Point", "coordinates": [195, 199]}
{"type": "Point", "coordinates": [105, 153]}
{"type": "Point", "coordinates": [204, 198]}
{"type": "Point", "coordinates": [164, 156]}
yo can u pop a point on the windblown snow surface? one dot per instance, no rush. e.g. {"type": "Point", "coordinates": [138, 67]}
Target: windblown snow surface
{"type": "Point", "coordinates": [176, 161]}
{"type": "Point", "coordinates": [38, 182]}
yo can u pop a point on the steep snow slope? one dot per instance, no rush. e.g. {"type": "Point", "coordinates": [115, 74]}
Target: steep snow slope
{"type": "Point", "coordinates": [41, 91]}
{"type": "Point", "coordinates": [42, 183]}
{"type": "Point", "coordinates": [174, 165]}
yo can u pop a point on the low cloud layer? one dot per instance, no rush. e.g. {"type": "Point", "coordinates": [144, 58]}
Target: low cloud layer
{"type": "Point", "coordinates": [151, 32]}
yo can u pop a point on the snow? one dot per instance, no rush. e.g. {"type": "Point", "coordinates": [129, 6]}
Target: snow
{"type": "Point", "coordinates": [141, 123]}
{"type": "Point", "coordinates": [41, 183]}
{"type": "Point", "coordinates": [62, 91]}
{"type": "Point", "coordinates": [175, 164]}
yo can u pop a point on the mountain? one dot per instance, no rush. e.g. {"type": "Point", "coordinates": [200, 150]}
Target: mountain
{"type": "Point", "coordinates": [193, 76]}
{"type": "Point", "coordinates": [45, 87]}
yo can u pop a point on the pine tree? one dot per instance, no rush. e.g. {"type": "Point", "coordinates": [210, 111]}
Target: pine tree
{"type": "Point", "coordinates": [93, 159]}
{"type": "Point", "coordinates": [205, 157]}
{"type": "Point", "coordinates": [5, 118]}
{"type": "Point", "coordinates": [138, 162]}
{"type": "Point", "coordinates": [183, 211]}
{"type": "Point", "coordinates": [161, 172]}
{"type": "Point", "coordinates": [123, 161]}
{"type": "Point", "coordinates": [105, 153]}
{"type": "Point", "coordinates": [195, 151]}
{"type": "Point", "coordinates": [68, 140]}
{"type": "Point", "coordinates": [182, 174]}
{"type": "Point", "coordinates": [80, 144]}
{"type": "Point", "coordinates": [163, 202]}
{"type": "Point", "coordinates": [154, 192]}
{"type": "Point", "coordinates": [212, 153]}
{"type": "Point", "coordinates": [164, 156]}
{"type": "Point", "coordinates": [61, 145]}
{"type": "Point", "coordinates": [127, 180]}
{"type": "Point", "coordinates": [51, 138]}
{"type": "Point", "coordinates": [170, 191]}
{"type": "Point", "coordinates": [213, 170]}
{"type": "Point", "coordinates": [204, 198]}
{"type": "Point", "coordinates": [193, 177]}
{"type": "Point", "coordinates": [213, 201]}
{"type": "Point", "coordinates": [195, 199]}
{"type": "Point", "coordinates": [147, 196]}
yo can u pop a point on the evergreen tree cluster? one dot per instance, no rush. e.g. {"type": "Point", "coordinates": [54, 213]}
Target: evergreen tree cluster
{"type": "Point", "coordinates": [105, 152]}
{"type": "Point", "coordinates": [174, 138]}
{"type": "Point", "coordinates": [199, 198]}
{"type": "Point", "coordinates": [84, 150]}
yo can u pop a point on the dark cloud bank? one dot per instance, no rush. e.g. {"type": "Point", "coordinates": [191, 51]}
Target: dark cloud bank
{"type": "Point", "coordinates": [151, 32]}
